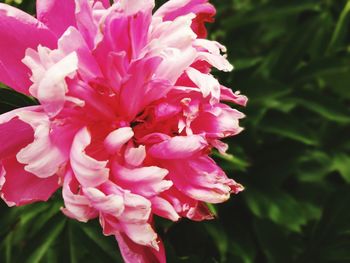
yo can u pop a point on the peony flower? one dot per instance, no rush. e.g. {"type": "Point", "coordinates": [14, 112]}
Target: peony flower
{"type": "Point", "coordinates": [129, 113]}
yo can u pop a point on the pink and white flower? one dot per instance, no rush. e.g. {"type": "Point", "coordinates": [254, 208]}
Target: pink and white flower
{"type": "Point", "coordinates": [128, 114]}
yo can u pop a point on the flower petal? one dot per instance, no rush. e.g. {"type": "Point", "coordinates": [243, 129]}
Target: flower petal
{"type": "Point", "coordinates": [20, 187]}
{"type": "Point", "coordinates": [56, 14]}
{"type": "Point", "coordinates": [14, 135]}
{"type": "Point", "coordinates": [134, 253]}
{"type": "Point", "coordinates": [145, 181]}
{"type": "Point", "coordinates": [163, 208]}
{"type": "Point", "coordinates": [201, 179]}
{"type": "Point", "coordinates": [116, 139]}
{"type": "Point", "coordinates": [178, 147]}
{"type": "Point", "coordinates": [88, 171]}
{"type": "Point", "coordinates": [110, 204]}
{"type": "Point", "coordinates": [77, 205]}
{"type": "Point", "coordinates": [43, 157]}
{"type": "Point", "coordinates": [204, 13]}
{"type": "Point", "coordinates": [135, 156]}
{"type": "Point", "coordinates": [19, 31]}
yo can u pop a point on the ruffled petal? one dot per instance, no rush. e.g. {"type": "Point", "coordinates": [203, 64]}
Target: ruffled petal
{"type": "Point", "coordinates": [88, 171]}
{"type": "Point", "coordinates": [116, 139]}
{"type": "Point", "coordinates": [112, 204]}
{"type": "Point", "coordinates": [135, 156]}
{"type": "Point", "coordinates": [49, 71]}
{"type": "Point", "coordinates": [45, 156]}
{"type": "Point", "coordinates": [145, 181]}
{"type": "Point", "coordinates": [206, 83]}
{"type": "Point", "coordinates": [77, 205]}
{"type": "Point", "coordinates": [203, 10]}
{"type": "Point", "coordinates": [178, 147]}
{"type": "Point", "coordinates": [201, 179]}
{"type": "Point", "coordinates": [140, 90]}
{"type": "Point", "coordinates": [163, 208]}
{"type": "Point", "coordinates": [134, 253]}
{"type": "Point", "coordinates": [19, 31]}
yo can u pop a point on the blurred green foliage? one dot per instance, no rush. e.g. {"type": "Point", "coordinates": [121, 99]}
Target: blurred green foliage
{"type": "Point", "coordinates": [292, 60]}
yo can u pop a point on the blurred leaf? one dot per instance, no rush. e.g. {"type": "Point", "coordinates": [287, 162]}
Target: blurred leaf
{"type": "Point", "coordinates": [332, 231]}
{"type": "Point", "coordinates": [341, 28]}
{"type": "Point", "coordinates": [327, 107]}
{"type": "Point", "coordinates": [279, 207]}
{"type": "Point", "coordinates": [341, 163]}
{"type": "Point", "coordinates": [289, 127]}
{"type": "Point", "coordinates": [269, 12]}
{"type": "Point", "coordinates": [52, 232]}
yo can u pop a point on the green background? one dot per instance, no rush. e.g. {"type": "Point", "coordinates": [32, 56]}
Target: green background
{"type": "Point", "coordinates": [292, 59]}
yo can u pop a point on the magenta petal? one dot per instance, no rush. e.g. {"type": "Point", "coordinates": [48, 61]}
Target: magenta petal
{"type": "Point", "coordinates": [77, 205]}
{"type": "Point", "coordinates": [178, 147]}
{"type": "Point", "coordinates": [204, 13]}
{"type": "Point", "coordinates": [21, 187]}
{"type": "Point", "coordinates": [44, 156]}
{"type": "Point", "coordinates": [116, 139]}
{"type": "Point", "coordinates": [137, 90]}
{"type": "Point", "coordinates": [14, 135]}
{"type": "Point", "coordinates": [164, 209]}
{"type": "Point", "coordinates": [134, 253]}
{"type": "Point", "coordinates": [19, 31]}
{"type": "Point", "coordinates": [57, 15]}
{"type": "Point", "coordinates": [145, 181]}
{"type": "Point", "coordinates": [87, 170]}
{"type": "Point", "coordinates": [201, 179]}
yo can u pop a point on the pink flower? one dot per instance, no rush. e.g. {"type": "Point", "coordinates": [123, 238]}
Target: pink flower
{"type": "Point", "coordinates": [128, 114]}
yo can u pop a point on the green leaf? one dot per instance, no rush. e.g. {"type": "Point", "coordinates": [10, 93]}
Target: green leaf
{"type": "Point", "coordinates": [327, 107]}
{"type": "Point", "coordinates": [341, 28]}
{"type": "Point", "coordinates": [289, 127]}
{"type": "Point", "coordinates": [279, 207]}
{"type": "Point", "coordinates": [269, 12]}
{"type": "Point", "coordinates": [10, 99]}
{"type": "Point", "coordinates": [341, 163]}
{"type": "Point", "coordinates": [52, 233]}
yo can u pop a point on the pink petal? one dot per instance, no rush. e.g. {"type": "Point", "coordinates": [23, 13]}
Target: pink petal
{"type": "Point", "coordinates": [163, 208]}
{"type": "Point", "coordinates": [50, 86]}
{"type": "Point", "coordinates": [77, 205]}
{"type": "Point", "coordinates": [19, 31]}
{"type": "Point", "coordinates": [228, 95]}
{"type": "Point", "coordinates": [134, 253]}
{"type": "Point", "coordinates": [20, 187]}
{"type": "Point", "coordinates": [111, 204]}
{"type": "Point", "coordinates": [86, 23]}
{"type": "Point", "coordinates": [105, 3]}
{"type": "Point", "coordinates": [172, 41]}
{"type": "Point", "coordinates": [131, 20]}
{"type": "Point", "coordinates": [206, 83]}
{"type": "Point", "coordinates": [201, 8]}
{"type": "Point", "coordinates": [218, 122]}
{"type": "Point", "coordinates": [56, 14]}
{"type": "Point", "coordinates": [187, 206]}
{"type": "Point", "coordinates": [140, 89]}
{"type": "Point", "coordinates": [201, 179]}
{"type": "Point", "coordinates": [72, 41]}
{"type": "Point", "coordinates": [88, 171]}
{"type": "Point", "coordinates": [142, 234]}
{"type": "Point", "coordinates": [178, 147]}
{"type": "Point", "coordinates": [14, 135]}
{"type": "Point", "coordinates": [135, 156]}
{"type": "Point", "coordinates": [145, 181]}
{"type": "Point", "coordinates": [116, 139]}
{"type": "Point", "coordinates": [42, 157]}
